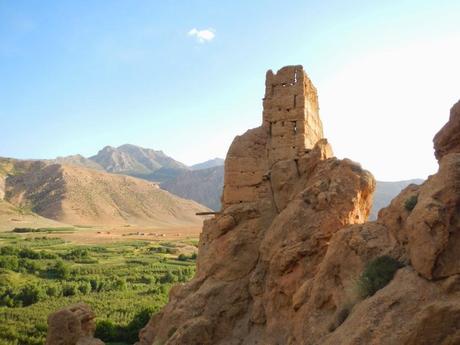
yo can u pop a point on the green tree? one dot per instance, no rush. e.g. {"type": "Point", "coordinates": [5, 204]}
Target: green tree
{"type": "Point", "coordinates": [9, 262]}
{"type": "Point", "coordinates": [61, 270]}
{"type": "Point", "coordinates": [30, 294]}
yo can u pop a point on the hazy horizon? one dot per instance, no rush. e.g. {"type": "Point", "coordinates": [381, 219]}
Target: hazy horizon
{"type": "Point", "coordinates": [186, 79]}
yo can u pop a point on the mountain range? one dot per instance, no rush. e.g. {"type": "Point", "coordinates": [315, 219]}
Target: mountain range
{"type": "Point", "coordinates": [76, 195]}
{"type": "Point", "coordinates": [97, 189]}
{"type": "Point", "coordinates": [202, 182]}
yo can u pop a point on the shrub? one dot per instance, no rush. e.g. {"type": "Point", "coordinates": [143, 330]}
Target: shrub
{"type": "Point", "coordinates": [106, 331]}
{"type": "Point", "coordinates": [410, 203]}
{"type": "Point", "coordinates": [9, 262]}
{"type": "Point", "coordinates": [76, 254]}
{"type": "Point", "coordinates": [69, 290]}
{"type": "Point", "coordinates": [53, 290]}
{"type": "Point", "coordinates": [9, 250]}
{"type": "Point", "coordinates": [94, 284]}
{"type": "Point", "coordinates": [167, 278]}
{"type": "Point", "coordinates": [119, 284]}
{"type": "Point", "coordinates": [377, 274]}
{"type": "Point", "coordinates": [110, 332]}
{"type": "Point", "coordinates": [84, 288]}
{"type": "Point", "coordinates": [30, 266]}
{"type": "Point", "coordinates": [27, 253]}
{"type": "Point", "coordinates": [60, 270]}
{"type": "Point", "coordinates": [30, 294]}
{"type": "Point", "coordinates": [136, 324]}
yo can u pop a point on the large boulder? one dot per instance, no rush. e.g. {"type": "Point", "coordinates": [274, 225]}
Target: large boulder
{"type": "Point", "coordinates": [73, 325]}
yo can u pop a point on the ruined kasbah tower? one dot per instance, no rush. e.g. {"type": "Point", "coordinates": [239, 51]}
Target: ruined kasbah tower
{"type": "Point", "coordinates": [292, 127]}
{"type": "Point", "coordinates": [284, 197]}
{"type": "Point", "coordinates": [291, 114]}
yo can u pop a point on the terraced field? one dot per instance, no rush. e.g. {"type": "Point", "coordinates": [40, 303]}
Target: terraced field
{"type": "Point", "coordinates": [124, 282]}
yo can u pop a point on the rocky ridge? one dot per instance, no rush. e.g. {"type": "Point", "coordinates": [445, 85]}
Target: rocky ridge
{"type": "Point", "coordinates": [134, 160]}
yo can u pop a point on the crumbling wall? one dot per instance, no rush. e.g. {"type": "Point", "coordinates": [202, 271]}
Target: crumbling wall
{"type": "Point", "coordinates": [291, 114]}
{"type": "Point", "coordinates": [291, 127]}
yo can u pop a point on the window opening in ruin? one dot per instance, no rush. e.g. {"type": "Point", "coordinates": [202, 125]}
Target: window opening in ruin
{"type": "Point", "coordinates": [295, 127]}
{"type": "Point", "coordinates": [295, 101]}
{"type": "Point", "coordinates": [282, 124]}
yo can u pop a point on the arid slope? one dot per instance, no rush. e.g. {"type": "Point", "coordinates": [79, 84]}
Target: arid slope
{"type": "Point", "coordinates": [77, 196]}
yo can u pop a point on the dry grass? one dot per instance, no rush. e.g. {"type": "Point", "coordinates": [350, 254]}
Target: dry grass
{"type": "Point", "coordinates": [102, 235]}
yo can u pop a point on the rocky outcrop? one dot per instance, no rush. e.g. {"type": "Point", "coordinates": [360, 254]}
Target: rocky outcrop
{"type": "Point", "coordinates": [73, 325]}
{"type": "Point", "coordinates": [433, 227]}
{"type": "Point", "coordinates": [279, 264]}
{"type": "Point", "coordinates": [284, 198]}
{"type": "Point", "coordinates": [448, 138]}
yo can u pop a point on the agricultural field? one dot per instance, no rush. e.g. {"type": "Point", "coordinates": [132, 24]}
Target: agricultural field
{"type": "Point", "coordinates": [124, 282]}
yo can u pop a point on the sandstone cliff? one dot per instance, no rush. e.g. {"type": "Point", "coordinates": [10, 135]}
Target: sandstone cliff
{"type": "Point", "coordinates": [279, 264]}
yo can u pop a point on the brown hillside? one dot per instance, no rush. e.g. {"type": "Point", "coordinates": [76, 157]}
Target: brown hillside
{"type": "Point", "coordinates": [77, 195]}
{"type": "Point", "coordinates": [14, 217]}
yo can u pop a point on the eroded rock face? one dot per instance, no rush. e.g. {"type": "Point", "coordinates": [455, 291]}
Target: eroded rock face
{"type": "Point", "coordinates": [284, 198]}
{"type": "Point", "coordinates": [448, 138]}
{"type": "Point", "coordinates": [279, 265]}
{"type": "Point", "coordinates": [434, 225]}
{"type": "Point", "coordinates": [73, 325]}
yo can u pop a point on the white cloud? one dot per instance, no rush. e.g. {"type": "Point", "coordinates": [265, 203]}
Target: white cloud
{"type": "Point", "coordinates": [202, 36]}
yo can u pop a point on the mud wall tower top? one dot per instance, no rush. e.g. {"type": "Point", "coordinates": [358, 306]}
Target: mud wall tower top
{"type": "Point", "coordinates": [291, 113]}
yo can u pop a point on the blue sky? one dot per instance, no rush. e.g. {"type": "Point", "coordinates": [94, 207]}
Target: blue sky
{"type": "Point", "coordinates": [78, 75]}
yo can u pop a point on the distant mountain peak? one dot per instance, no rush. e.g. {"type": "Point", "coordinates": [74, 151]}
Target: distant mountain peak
{"type": "Point", "coordinates": [134, 160]}
{"type": "Point", "coordinates": [215, 162]}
